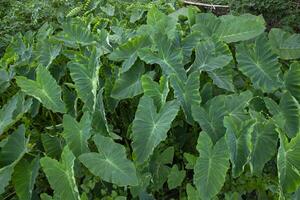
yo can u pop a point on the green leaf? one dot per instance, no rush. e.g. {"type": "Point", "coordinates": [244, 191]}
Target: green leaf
{"type": "Point", "coordinates": [76, 32]}
{"type": "Point", "coordinates": [211, 166]}
{"type": "Point", "coordinates": [239, 28]}
{"type": "Point", "coordinates": [47, 51]}
{"type": "Point", "coordinates": [13, 110]}
{"type": "Point", "coordinates": [11, 153]}
{"type": "Point", "coordinates": [288, 163]}
{"type": "Point", "coordinates": [223, 77]}
{"type": "Point", "coordinates": [292, 80]}
{"type": "Point", "coordinates": [24, 177]}
{"type": "Point", "coordinates": [44, 89]}
{"type": "Point", "coordinates": [211, 55]}
{"type": "Point", "coordinates": [5, 78]}
{"type": "Point", "coordinates": [257, 62]}
{"type": "Point", "coordinates": [150, 127]}
{"type": "Point", "coordinates": [168, 56]}
{"type": "Point", "coordinates": [84, 70]}
{"type": "Point", "coordinates": [175, 177]}
{"type": "Point", "coordinates": [192, 193]}
{"type": "Point", "coordinates": [210, 116]}
{"type": "Point", "coordinates": [61, 175]}
{"type": "Point", "coordinates": [157, 91]}
{"type": "Point", "coordinates": [187, 93]}
{"type": "Point", "coordinates": [128, 83]}
{"type": "Point", "coordinates": [264, 140]}
{"type": "Point", "coordinates": [207, 24]}
{"type": "Point", "coordinates": [290, 110]}
{"type": "Point", "coordinates": [76, 133]}
{"type": "Point", "coordinates": [284, 44]}
{"type": "Point", "coordinates": [110, 164]}
{"type": "Point", "coordinates": [127, 52]}
{"type": "Point", "coordinates": [238, 138]}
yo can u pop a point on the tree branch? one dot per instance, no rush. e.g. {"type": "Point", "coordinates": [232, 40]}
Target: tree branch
{"type": "Point", "coordinates": [205, 4]}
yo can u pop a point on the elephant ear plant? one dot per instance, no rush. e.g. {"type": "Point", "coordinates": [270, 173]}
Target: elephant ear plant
{"type": "Point", "coordinates": [150, 101]}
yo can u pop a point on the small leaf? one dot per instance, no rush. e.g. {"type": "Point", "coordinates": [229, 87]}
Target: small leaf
{"type": "Point", "coordinates": [175, 177]}
{"type": "Point", "coordinates": [47, 51]}
{"type": "Point", "coordinates": [44, 89]}
{"type": "Point", "coordinates": [292, 80]}
{"type": "Point", "coordinates": [110, 164]}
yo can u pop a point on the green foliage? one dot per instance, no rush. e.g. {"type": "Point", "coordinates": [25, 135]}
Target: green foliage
{"type": "Point", "coordinates": [147, 100]}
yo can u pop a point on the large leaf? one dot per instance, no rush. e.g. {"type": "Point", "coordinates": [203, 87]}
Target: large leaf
{"type": "Point", "coordinates": [150, 127]}
{"type": "Point", "coordinates": [187, 93]}
{"type": "Point", "coordinates": [44, 88]}
{"type": "Point", "coordinates": [288, 163]}
{"type": "Point", "coordinates": [168, 56]}
{"type": "Point", "coordinates": [13, 110]}
{"type": "Point", "coordinates": [292, 80]}
{"type": "Point", "coordinates": [24, 177]}
{"type": "Point", "coordinates": [211, 166]}
{"type": "Point", "coordinates": [157, 91]}
{"type": "Point", "coordinates": [11, 153]}
{"type": "Point", "coordinates": [211, 55]}
{"type": "Point", "coordinates": [110, 164]}
{"type": "Point", "coordinates": [76, 32]}
{"type": "Point", "coordinates": [264, 141]}
{"type": "Point", "coordinates": [61, 175]}
{"type": "Point", "coordinates": [290, 109]}
{"type": "Point", "coordinates": [239, 28]}
{"type": "Point", "coordinates": [206, 24]}
{"type": "Point", "coordinates": [258, 63]}
{"type": "Point", "coordinates": [128, 83]}
{"type": "Point", "coordinates": [284, 44]}
{"type": "Point", "coordinates": [128, 51]}
{"type": "Point", "coordinates": [238, 138]}
{"type": "Point", "coordinates": [223, 77]}
{"type": "Point", "coordinates": [84, 70]}
{"type": "Point", "coordinates": [76, 133]}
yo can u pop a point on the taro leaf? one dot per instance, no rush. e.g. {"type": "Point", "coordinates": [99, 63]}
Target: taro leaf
{"type": "Point", "coordinates": [211, 55]}
{"type": "Point", "coordinates": [223, 77]}
{"type": "Point", "coordinates": [211, 167]}
{"type": "Point", "coordinates": [76, 32]}
{"type": "Point", "coordinates": [159, 166]}
{"type": "Point", "coordinates": [53, 145]}
{"type": "Point", "coordinates": [61, 175]}
{"type": "Point", "coordinates": [292, 80]}
{"type": "Point", "coordinates": [257, 62]}
{"type": "Point", "coordinates": [5, 78]}
{"type": "Point", "coordinates": [157, 23]}
{"type": "Point", "coordinates": [192, 193]}
{"type": "Point", "coordinates": [264, 140]}
{"type": "Point", "coordinates": [110, 164]}
{"type": "Point", "coordinates": [290, 110]}
{"type": "Point", "coordinates": [187, 93]}
{"type": "Point", "coordinates": [84, 70]}
{"type": "Point", "coordinates": [157, 91]}
{"type": "Point", "coordinates": [188, 45]}
{"type": "Point", "coordinates": [284, 44]}
{"type": "Point", "coordinates": [239, 28]}
{"type": "Point", "coordinates": [24, 177]}
{"type": "Point", "coordinates": [44, 89]}
{"type": "Point", "coordinates": [128, 51]}
{"type": "Point", "coordinates": [168, 56]}
{"type": "Point", "coordinates": [76, 133]}
{"type": "Point", "coordinates": [13, 110]}
{"type": "Point", "coordinates": [210, 117]}
{"type": "Point", "coordinates": [175, 177]}
{"type": "Point", "coordinates": [11, 154]}
{"type": "Point", "coordinates": [47, 51]}
{"type": "Point", "coordinates": [99, 122]}
{"type": "Point", "coordinates": [238, 139]}
{"type": "Point", "coordinates": [288, 163]}
{"type": "Point", "coordinates": [206, 24]}
{"type": "Point", "coordinates": [150, 127]}
{"type": "Point", "coordinates": [128, 83]}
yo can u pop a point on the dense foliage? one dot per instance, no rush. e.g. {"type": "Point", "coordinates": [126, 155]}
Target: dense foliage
{"type": "Point", "coordinates": [149, 100]}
